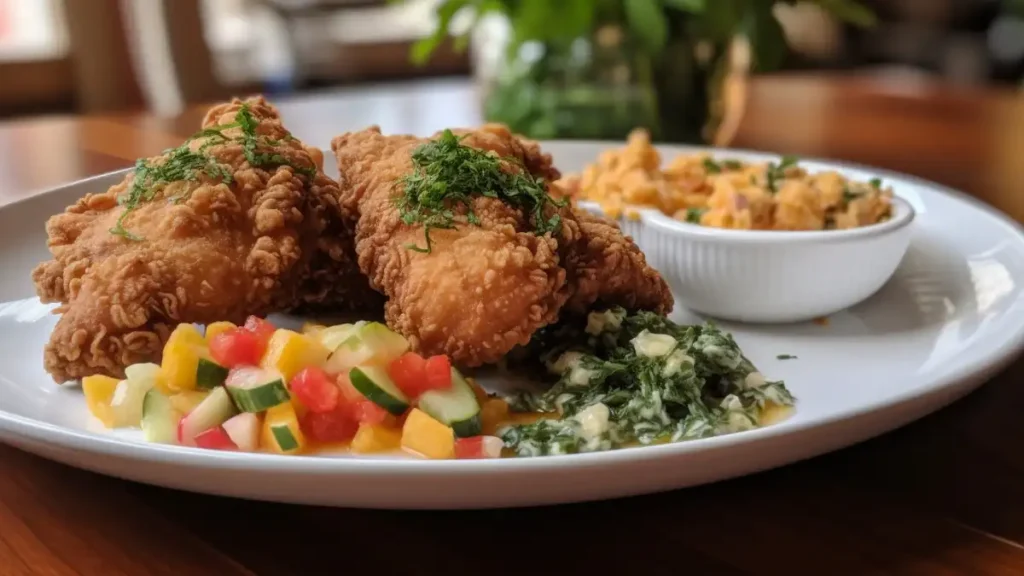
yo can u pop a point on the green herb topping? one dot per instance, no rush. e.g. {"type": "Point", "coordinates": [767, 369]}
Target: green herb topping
{"type": "Point", "coordinates": [711, 167]}
{"type": "Point", "coordinates": [777, 172]}
{"type": "Point", "coordinates": [850, 195]}
{"type": "Point", "coordinates": [448, 173]}
{"type": "Point", "coordinates": [638, 378]}
{"type": "Point", "coordinates": [184, 164]}
{"type": "Point", "coordinates": [693, 215]}
{"type": "Point", "coordinates": [876, 183]}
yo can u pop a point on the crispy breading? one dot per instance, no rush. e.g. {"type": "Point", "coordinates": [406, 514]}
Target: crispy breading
{"type": "Point", "coordinates": [208, 249]}
{"type": "Point", "coordinates": [483, 289]}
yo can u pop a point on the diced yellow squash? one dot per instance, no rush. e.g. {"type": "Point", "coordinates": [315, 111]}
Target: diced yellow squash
{"type": "Point", "coordinates": [218, 328]}
{"type": "Point", "coordinates": [181, 357]}
{"type": "Point", "coordinates": [99, 390]}
{"type": "Point", "coordinates": [481, 394]}
{"type": "Point", "coordinates": [288, 352]}
{"type": "Point", "coordinates": [281, 415]}
{"type": "Point", "coordinates": [376, 438]}
{"type": "Point", "coordinates": [185, 401]}
{"type": "Point", "coordinates": [427, 437]}
{"type": "Point", "coordinates": [493, 413]}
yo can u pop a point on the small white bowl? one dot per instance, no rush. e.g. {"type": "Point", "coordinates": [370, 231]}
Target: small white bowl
{"type": "Point", "coordinates": [768, 276]}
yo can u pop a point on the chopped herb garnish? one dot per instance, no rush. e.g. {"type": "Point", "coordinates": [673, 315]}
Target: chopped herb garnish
{"type": "Point", "coordinates": [850, 195]}
{"type": "Point", "coordinates": [182, 164]}
{"type": "Point", "coordinates": [732, 164]}
{"type": "Point", "coordinates": [786, 357]}
{"type": "Point", "coordinates": [711, 167]}
{"type": "Point", "coordinates": [448, 174]}
{"type": "Point", "coordinates": [876, 183]}
{"type": "Point", "coordinates": [777, 172]}
{"type": "Point", "coordinates": [626, 378]}
{"type": "Point", "coordinates": [693, 215]}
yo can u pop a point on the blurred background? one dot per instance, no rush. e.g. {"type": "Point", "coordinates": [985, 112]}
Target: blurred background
{"type": "Point", "coordinates": [103, 56]}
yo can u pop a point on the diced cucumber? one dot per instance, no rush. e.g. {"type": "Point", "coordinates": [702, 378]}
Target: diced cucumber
{"type": "Point", "coordinates": [144, 372]}
{"type": "Point", "coordinates": [332, 337]}
{"type": "Point", "coordinates": [126, 404]}
{"type": "Point", "coordinates": [374, 383]}
{"type": "Point", "coordinates": [283, 437]}
{"type": "Point", "coordinates": [456, 407]}
{"type": "Point", "coordinates": [159, 418]}
{"type": "Point", "coordinates": [371, 343]}
{"type": "Point", "coordinates": [256, 389]}
{"type": "Point", "coordinates": [386, 344]}
{"type": "Point", "coordinates": [244, 431]}
{"type": "Point", "coordinates": [209, 374]}
{"type": "Point", "coordinates": [211, 412]}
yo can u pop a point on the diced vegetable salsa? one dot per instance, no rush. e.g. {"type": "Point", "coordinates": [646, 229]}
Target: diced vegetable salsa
{"type": "Point", "coordinates": [259, 388]}
{"type": "Point", "coordinates": [620, 379]}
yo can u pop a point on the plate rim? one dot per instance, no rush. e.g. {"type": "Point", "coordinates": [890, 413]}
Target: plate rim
{"type": "Point", "coordinates": [970, 375]}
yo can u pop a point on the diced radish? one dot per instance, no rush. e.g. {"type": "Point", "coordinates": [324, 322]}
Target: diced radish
{"type": "Point", "coordinates": [210, 413]}
{"type": "Point", "coordinates": [478, 447]}
{"type": "Point", "coordinates": [315, 390]}
{"type": "Point", "coordinates": [238, 347]}
{"type": "Point", "coordinates": [261, 328]}
{"type": "Point", "coordinates": [215, 439]}
{"type": "Point", "coordinates": [334, 426]}
{"type": "Point", "coordinates": [438, 373]}
{"type": "Point", "coordinates": [244, 431]}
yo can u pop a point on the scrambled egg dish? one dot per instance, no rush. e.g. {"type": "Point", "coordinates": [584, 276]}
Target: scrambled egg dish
{"type": "Point", "coordinates": [727, 193]}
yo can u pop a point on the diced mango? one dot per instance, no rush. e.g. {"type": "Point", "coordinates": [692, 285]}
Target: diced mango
{"type": "Point", "coordinates": [281, 415]}
{"type": "Point", "coordinates": [218, 328]}
{"type": "Point", "coordinates": [376, 438]}
{"type": "Point", "coordinates": [428, 437]}
{"type": "Point", "coordinates": [185, 401]}
{"type": "Point", "coordinates": [493, 413]}
{"type": "Point", "coordinates": [288, 352]}
{"type": "Point", "coordinates": [181, 356]}
{"type": "Point", "coordinates": [99, 390]}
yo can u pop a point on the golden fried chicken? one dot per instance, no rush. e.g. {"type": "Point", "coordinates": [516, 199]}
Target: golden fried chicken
{"type": "Point", "coordinates": [482, 279]}
{"type": "Point", "coordinates": [606, 268]}
{"type": "Point", "coordinates": [225, 226]}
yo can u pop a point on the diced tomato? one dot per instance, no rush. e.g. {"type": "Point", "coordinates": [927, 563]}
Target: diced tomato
{"type": "Point", "coordinates": [478, 447]}
{"type": "Point", "coordinates": [315, 390]}
{"type": "Point", "coordinates": [260, 327]}
{"type": "Point", "coordinates": [366, 412]}
{"type": "Point", "coordinates": [439, 373]}
{"type": "Point", "coordinates": [408, 371]}
{"type": "Point", "coordinates": [334, 426]}
{"type": "Point", "coordinates": [215, 439]}
{"type": "Point", "coordinates": [238, 347]}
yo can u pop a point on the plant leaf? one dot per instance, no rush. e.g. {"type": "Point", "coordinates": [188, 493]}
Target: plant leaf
{"type": "Point", "coordinates": [424, 47]}
{"type": "Point", "coordinates": [720, 20]}
{"type": "Point", "coordinates": [648, 23]}
{"type": "Point", "coordinates": [766, 36]}
{"type": "Point", "coordinates": [692, 6]}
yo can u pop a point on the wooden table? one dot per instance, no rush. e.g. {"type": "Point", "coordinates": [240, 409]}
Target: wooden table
{"type": "Point", "coordinates": [942, 496]}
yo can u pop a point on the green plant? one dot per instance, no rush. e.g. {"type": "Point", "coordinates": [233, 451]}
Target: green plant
{"type": "Point", "coordinates": [650, 22]}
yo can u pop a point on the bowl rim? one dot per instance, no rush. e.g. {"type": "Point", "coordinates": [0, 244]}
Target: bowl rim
{"type": "Point", "coordinates": [903, 215]}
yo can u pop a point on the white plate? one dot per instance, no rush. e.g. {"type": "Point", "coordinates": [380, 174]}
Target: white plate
{"type": "Point", "coordinates": [952, 315]}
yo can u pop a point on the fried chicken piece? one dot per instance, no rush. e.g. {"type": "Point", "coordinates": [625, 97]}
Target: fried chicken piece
{"type": "Point", "coordinates": [216, 239]}
{"type": "Point", "coordinates": [606, 268]}
{"type": "Point", "coordinates": [482, 289]}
